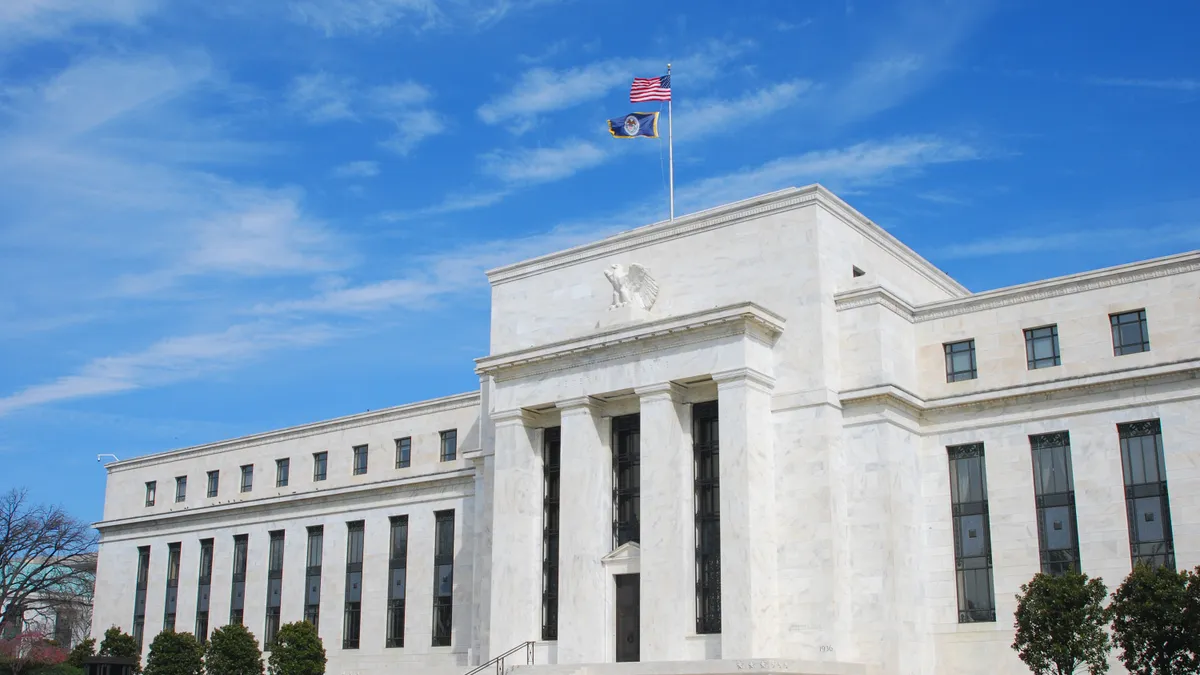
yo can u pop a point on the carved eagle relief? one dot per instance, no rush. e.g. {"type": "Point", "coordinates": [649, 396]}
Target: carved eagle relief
{"type": "Point", "coordinates": [631, 284]}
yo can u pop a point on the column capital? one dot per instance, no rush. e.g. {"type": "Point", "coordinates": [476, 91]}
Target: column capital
{"type": "Point", "coordinates": [519, 416]}
{"type": "Point", "coordinates": [744, 377]}
{"type": "Point", "coordinates": [580, 404]}
{"type": "Point", "coordinates": [668, 390]}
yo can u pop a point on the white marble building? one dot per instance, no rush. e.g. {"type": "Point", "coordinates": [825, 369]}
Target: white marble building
{"type": "Point", "coordinates": [754, 418]}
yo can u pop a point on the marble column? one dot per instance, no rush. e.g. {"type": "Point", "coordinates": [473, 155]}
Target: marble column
{"type": "Point", "coordinates": [516, 588]}
{"type": "Point", "coordinates": [749, 569]}
{"type": "Point", "coordinates": [585, 532]}
{"type": "Point", "coordinates": [667, 540]}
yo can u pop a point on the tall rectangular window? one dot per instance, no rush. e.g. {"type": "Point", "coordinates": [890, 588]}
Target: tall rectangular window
{"type": "Point", "coordinates": [320, 464]}
{"type": "Point", "coordinates": [283, 471]}
{"type": "Point", "coordinates": [180, 488]}
{"type": "Point", "coordinates": [626, 443]}
{"type": "Point", "coordinates": [443, 577]}
{"type": "Point", "coordinates": [1130, 333]}
{"type": "Point", "coordinates": [172, 596]}
{"type": "Point", "coordinates": [151, 492]}
{"type": "Point", "coordinates": [1147, 506]}
{"type": "Point", "coordinates": [972, 538]}
{"type": "Point", "coordinates": [312, 580]}
{"type": "Point", "coordinates": [237, 593]}
{"type": "Point", "coordinates": [706, 468]}
{"type": "Point", "coordinates": [1041, 347]}
{"type": "Point", "coordinates": [354, 564]}
{"type": "Point", "coordinates": [403, 452]}
{"type": "Point", "coordinates": [274, 586]}
{"type": "Point", "coordinates": [1054, 494]}
{"type": "Point", "coordinates": [247, 477]}
{"type": "Point", "coordinates": [398, 578]}
{"type": "Point", "coordinates": [449, 445]}
{"type": "Point", "coordinates": [551, 472]}
{"type": "Point", "coordinates": [214, 483]}
{"type": "Point", "coordinates": [960, 360]}
{"type": "Point", "coordinates": [203, 586]}
{"type": "Point", "coordinates": [139, 596]}
{"type": "Point", "coordinates": [360, 460]}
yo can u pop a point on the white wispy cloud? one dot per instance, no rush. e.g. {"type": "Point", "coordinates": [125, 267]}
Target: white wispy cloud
{"type": "Point", "coordinates": [713, 116]}
{"type": "Point", "coordinates": [1098, 238]}
{"type": "Point", "coordinates": [323, 98]}
{"type": "Point", "coordinates": [24, 21]}
{"type": "Point", "coordinates": [170, 360]}
{"type": "Point", "coordinates": [1173, 84]}
{"type": "Point", "coordinates": [455, 202]}
{"type": "Point", "coordinates": [358, 169]}
{"type": "Point", "coordinates": [544, 164]}
{"type": "Point", "coordinates": [339, 17]}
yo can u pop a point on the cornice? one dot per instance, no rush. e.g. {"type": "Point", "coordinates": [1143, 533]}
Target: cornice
{"type": "Point", "coordinates": [291, 433]}
{"type": "Point", "coordinates": [409, 485]}
{"type": "Point", "coordinates": [581, 404]}
{"type": "Point", "coordinates": [519, 416]}
{"type": "Point", "coordinates": [1155, 268]}
{"type": "Point", "coordinates": [874, 295]}
{"type": "Point", "coordinates": [723, 216]}
{"type": "Point", "coordinates": [748, 316]}
{"type": "Point", "coordinates": [661, 390]}
{"type": "Point", "coordinates": [744, 376]}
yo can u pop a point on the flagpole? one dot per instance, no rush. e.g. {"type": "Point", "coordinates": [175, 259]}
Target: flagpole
{"type": "Point", "coordinates": [671, 145]}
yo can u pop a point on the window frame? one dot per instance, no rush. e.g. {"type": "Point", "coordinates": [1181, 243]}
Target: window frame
{"type": "Point", "coordinates": [1031, 340]}
{"type": "Point", "coordinates": [626, 479]}
{"type": "Point", "coordinates": [551, 499]}
{"type": "Point", "coordinates": [953, 375]}
{"type": "Point", "coordinates": [1054, 561]}
{"type": "Point", "coordinates": [1138, 492]}
{"type": "Point", "coordinates": [283, 471]}
{"type": "Point", "coordinates": [352, 607]}
{"type": "Point", "coordinates": [397, 581]}
{"type": "Point", "coordinates": [706, 486]}
{"type": "Point", "coordinates": [960, 510]}
{"type": "Point", "coordinates": [320, 466]}
{"type": "Point", "coordinates": [214, 483]}
{"type": "Point", "coordinates": [151, 492]}
{"type": "Point", "coordinates": [1117, 321]}
{"type": "Point", "coordinates": [443, 604]}
{"type": "Point", "coordinates": [361, 462]}
{"type": "Point", "coordinates": [404, 452]}
{"type": "Point", "coordinates": [180, 489]}
{"type": "Point", "coordinates": [452, 436]}
{"type": "Point", "coordinates": [247, 472]}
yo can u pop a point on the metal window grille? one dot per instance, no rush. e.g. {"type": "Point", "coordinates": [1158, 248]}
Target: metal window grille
{"type": "Point", "coordinates": [312, 577]}
{"type": "Point", "coordinates": [203, 588]}
{"type": "Point", "coordinates": [351, 621]}
{"type": "Point", "coordinates": [626, 441]}
{"type": "Point", "coordinates": [1041, 347]}
{"type": "Point", "coordinates": [274, 586]}
{"type": "Point", "coordinates": [972, 536]}
{"type": "Point", "coordinates": [139, 597]}
{"type": "Point", "coordinates": [551, 472]}
{"type": "Point", "coordinates": [443, 578]}
{"type": "Point", "coordinates": [1130, 332]}
{"type": "Point", "coordinates": [172, 592]}
{"type": "Point", "coordinates": [1054, 496]}
{"type": "Point", "coordinates": [706, 471]}
{"type": "Point", "coordinates": [237, 599]}
{"type": "Point", "coordinates": [1148, 507]}
{"type": "Point", "coordinates": [960, 361]}
{"type": "Point", "coordinates": [398, 573]}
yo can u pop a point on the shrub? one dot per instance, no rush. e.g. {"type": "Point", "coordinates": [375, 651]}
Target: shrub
{"type": "Point", "coordinates": [174, 653]}
{"type": "Point", "coordinates": [82, 651]}
{"type": "Point", "coordinates": [119, 643]}
{"type": "Point", "coordinates": [1155, 621]}
{"type": "Point", "coordinates": [233, 650]}
{"type": "Point", "coordinates": [297, 651]}
{"type": "Point", "coordinates": [1060, 624]}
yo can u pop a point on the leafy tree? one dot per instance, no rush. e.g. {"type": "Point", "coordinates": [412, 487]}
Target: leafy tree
{"type": "Point", "coordinates": [30, 650]}
{"type": "Point", "coordinates": [81, 652]}
{"type": "Point", "coordinates": [119, 643]}
{"type": "Point", "coordinates": [233, 650]}
{"type": "Point", "coordinates": [174, 653]}
{"type": "Point", "coordinates": [1060, 624]}
{"type": "Point", "coordinates": [297, 651]}
{"type": "Point", "coordinates": [1151, 620]}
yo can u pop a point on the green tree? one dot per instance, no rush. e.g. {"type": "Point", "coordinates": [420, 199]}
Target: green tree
{"type": "Point", "coordinates": [1060, 624]}
{"type": "Point", "coordinates": [82, 651]}
{"type": "Point", "coordinates": [297, 651]}
{"type": "Point", "coordinates": [1151, 617]}
{"type": "Point", "coordinates": [174, 653]}
{"type": "Point", "coordinates": [233, 650]}
{"type": "Point", "coordinates": [119, 643]}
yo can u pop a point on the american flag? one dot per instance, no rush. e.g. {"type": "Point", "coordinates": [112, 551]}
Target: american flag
{"type": "Point", "coordinates": [650, 89]}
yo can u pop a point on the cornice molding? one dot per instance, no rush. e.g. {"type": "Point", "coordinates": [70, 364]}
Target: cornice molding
{"type": "Point", "coordinates": [744, 377]}
{"type": "Point", "coordinates": [581, 404]}
{"type": "Point", "coordinates": [665, 390]}
{"type": "Point", "coordinates": [519, 416]}
{"type": "Point", "coordinates": [413, 486]}
{"type": "Point", "coordinates": [874, 295]}
{"type": "Point", "coordinates": [744, 317]}
{"type": "Point", "coordinates": [406, 411]}
{"type": "Point", "coordinates": [729, 214]}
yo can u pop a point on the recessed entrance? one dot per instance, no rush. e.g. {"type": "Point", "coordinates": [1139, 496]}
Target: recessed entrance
{"type": "Point", "coordinates": [629, 606]}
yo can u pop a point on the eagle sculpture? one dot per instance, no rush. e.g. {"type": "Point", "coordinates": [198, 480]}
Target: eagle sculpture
{"type": "Point", "coordinates": [631, 284]}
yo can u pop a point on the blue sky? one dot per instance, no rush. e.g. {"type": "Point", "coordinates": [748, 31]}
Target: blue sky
{"type": "Point", "coordinates": [219, 217]}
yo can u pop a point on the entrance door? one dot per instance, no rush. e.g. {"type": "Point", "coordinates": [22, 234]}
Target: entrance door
{"type": "Point", "coordinates": [629, 606]}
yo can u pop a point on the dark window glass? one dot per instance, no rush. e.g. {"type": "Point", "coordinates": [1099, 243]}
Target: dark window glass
{"type": "Point", "coordinates": [972, 536]}
{"type": "Point", "coordinates": [398, 573]}
{"type": "Point", "coordinates": [1147, 506]}
{"type": "Point", "coordinates": [360, 460]}
{"type": "Point", "coordinates": [247, 478]}
{"type": "Point", "coordinates": [274, 586]}
{"type": "Point", "coordinates": [180, 488]}
{"type": "Point", "coordinates": [443, 577]}
{"type": "Point", "coordinates": [449, 445]}
{"type": "Point", "coordinates": [320, 463]}
{"type": "Point", "coordinates": [203, 586]}
{"type": "Point", "coordinates": [312, 581]}
{"type": "Point", "coordinates": [626, 443]}
{"type": "Point", "coordinates": [1041, 347]}
{"type": "Point", "coordinates": [403, 452]}
{"type": "Point", "coordinates": [172, 596]}
{"type": "Point", "coordinates": [1130, 333]}
{"type": "Point", "coordinates": [283, 470]}
{"type": "Point", "coordinates": [960, 361]}
{"type": "Point", "coordinates": [151, 491]}
{"type": "Point", "coordinates": [139, 596]}
{"type": "Point", "coordinates": [551, 471]}
{"type": "Point", "coordinates": [353, 611]}
{"type": "Point", "coordinates": [706, 471]}
{"type": "Point", "coordinates": [214, 483]}
{"type": "Point", "coordinates": [237, 600]}
{"type": "Point", "coordinates": [1054, 494]}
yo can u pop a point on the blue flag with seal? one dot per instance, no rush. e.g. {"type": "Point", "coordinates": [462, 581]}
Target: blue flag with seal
{"type": "Point", "coordinates": [634, 125]}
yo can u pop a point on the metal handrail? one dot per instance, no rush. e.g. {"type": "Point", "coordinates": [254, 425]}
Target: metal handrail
{"type": "Point", "coordinates": [499, 660]}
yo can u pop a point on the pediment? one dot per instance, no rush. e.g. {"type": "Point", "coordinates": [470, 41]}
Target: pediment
{"type": "Point", "coordinates": [630, 550]}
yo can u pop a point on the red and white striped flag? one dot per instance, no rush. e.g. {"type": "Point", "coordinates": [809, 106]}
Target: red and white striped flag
{"type": "Point", "coordinates": [650, 89]}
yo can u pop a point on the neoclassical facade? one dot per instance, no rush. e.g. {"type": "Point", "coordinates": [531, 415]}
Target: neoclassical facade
{"type": "Point", "coordinates": [767, 436]}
